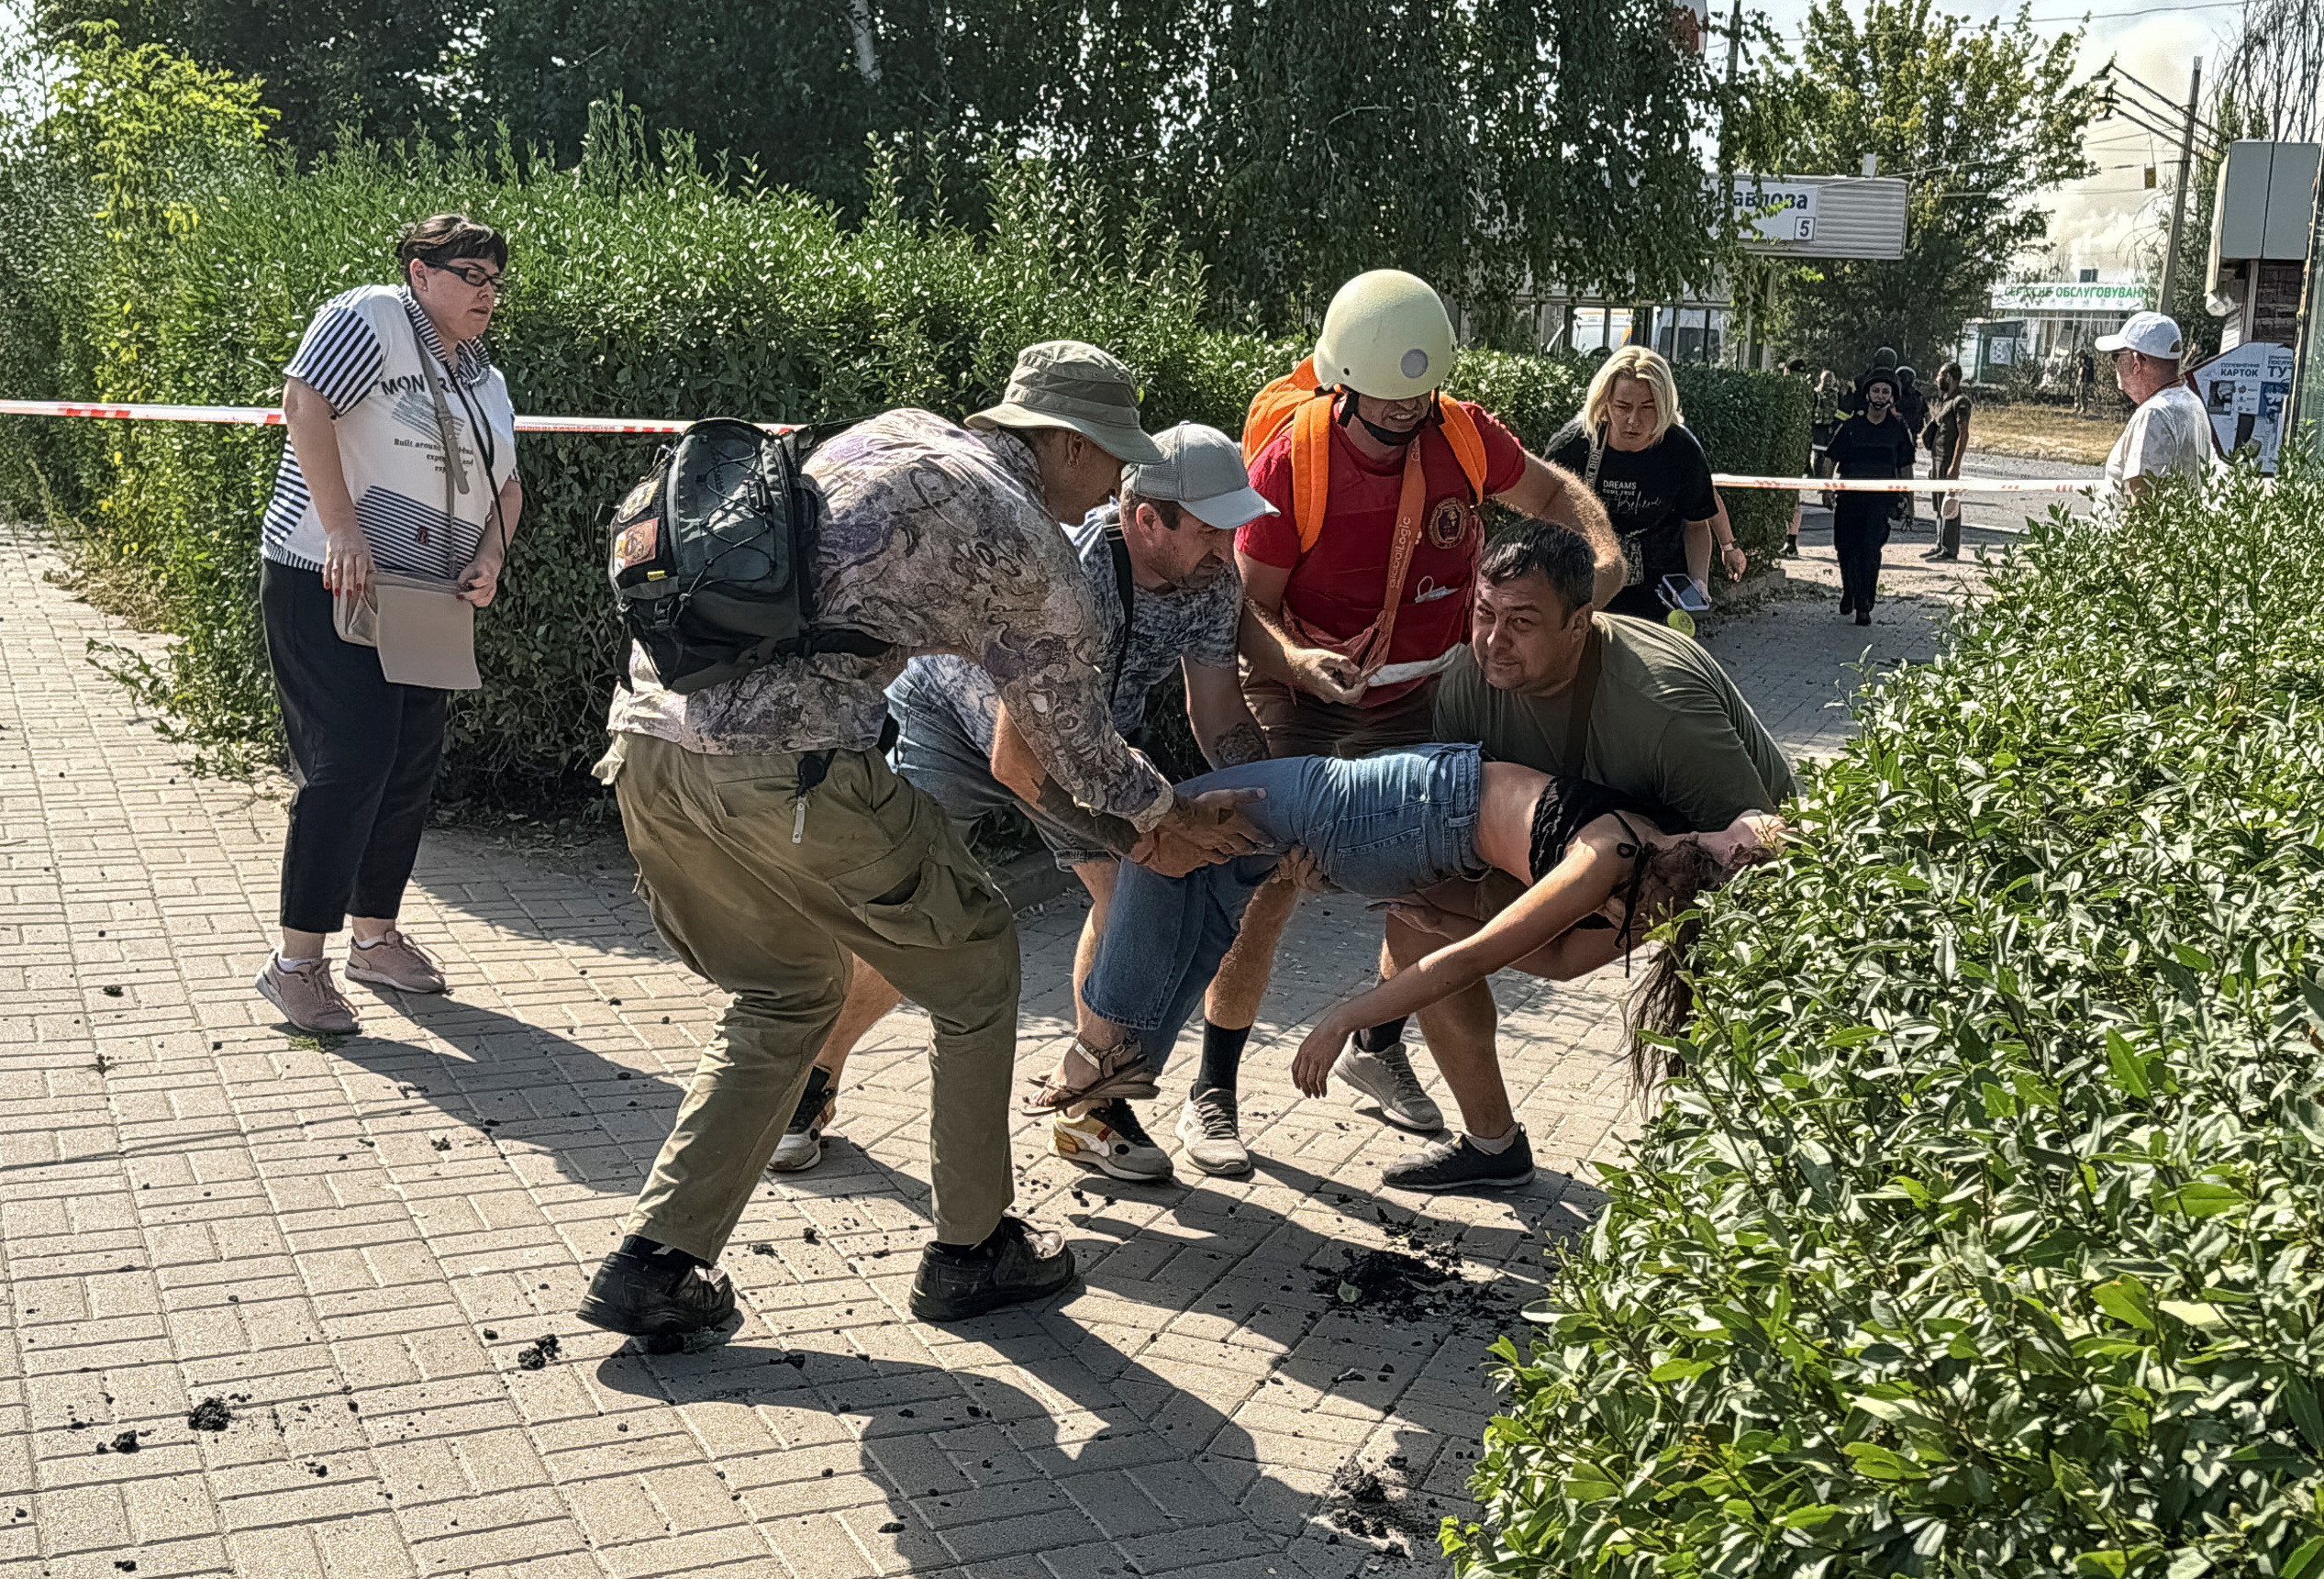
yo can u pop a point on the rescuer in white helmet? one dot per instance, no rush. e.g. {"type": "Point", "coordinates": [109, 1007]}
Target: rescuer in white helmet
{"type": "Point", "coordinates": [1357, 593]}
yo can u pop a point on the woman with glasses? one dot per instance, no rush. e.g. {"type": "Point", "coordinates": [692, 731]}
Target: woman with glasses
{"type": "Point", "coordinates": [398, 485]}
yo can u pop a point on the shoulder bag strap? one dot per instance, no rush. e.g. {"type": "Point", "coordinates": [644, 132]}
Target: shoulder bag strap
{"type": "Point", "coordinates": [1577, 716]}
{"type": "Point", "coordinates": [1411, 504]}
{"type": "Point", "coordinates": [1598, 458]}
{"type": "Point", "coordinates": [446, 431]}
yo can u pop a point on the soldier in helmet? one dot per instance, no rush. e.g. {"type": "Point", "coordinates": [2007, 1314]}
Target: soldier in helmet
{"type": "Point", "coordinates": [1357, 592]}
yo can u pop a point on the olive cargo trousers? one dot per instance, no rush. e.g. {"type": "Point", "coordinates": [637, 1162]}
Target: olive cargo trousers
{"type": "Point", "coordinates": [876, 870]}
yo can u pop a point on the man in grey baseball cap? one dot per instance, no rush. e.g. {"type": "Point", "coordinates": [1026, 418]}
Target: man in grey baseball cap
{"type": "Point", "coordinates": [1161, 571]}
{"type": "Point", "coordinates": [2170, 431]}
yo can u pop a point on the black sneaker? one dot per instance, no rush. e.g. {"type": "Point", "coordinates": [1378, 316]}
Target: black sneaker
{"type": "Point", "coordinates": [1454, 1164]}
{"type": "Point", "coordinates": [1014, 1263]}
{"type": "Point", "coordinates": [639, 1295]}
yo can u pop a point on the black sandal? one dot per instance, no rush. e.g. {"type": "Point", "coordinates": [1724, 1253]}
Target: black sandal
{"type": "Point", "coordinates": [1120, 1071]}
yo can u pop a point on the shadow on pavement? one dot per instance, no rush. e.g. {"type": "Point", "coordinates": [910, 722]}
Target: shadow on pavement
{"type": "Point", "coordinates": [597, 1121]}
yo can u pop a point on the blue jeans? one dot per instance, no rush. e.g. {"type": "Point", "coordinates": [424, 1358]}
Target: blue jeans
{"type": "Point", "coordinates": [1382, 827]}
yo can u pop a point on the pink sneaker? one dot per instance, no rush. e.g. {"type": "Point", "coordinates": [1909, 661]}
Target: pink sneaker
{"type": "Point", "coordinates": [394, 960]}
{"type": "Point", "coordinates": [308, 998]}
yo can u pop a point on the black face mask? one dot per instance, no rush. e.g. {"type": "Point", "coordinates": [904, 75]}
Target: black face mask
{"type": "Point", "coordinates": [1390, 437]}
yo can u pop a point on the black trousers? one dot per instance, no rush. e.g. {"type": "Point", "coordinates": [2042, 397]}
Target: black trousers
{"type": "Point", "coordinates": [364, 759]}
{"type": "Point", "coordinates": [1859, 531]}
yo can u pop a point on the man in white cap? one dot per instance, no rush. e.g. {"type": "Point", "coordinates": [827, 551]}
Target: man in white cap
{"type": "Point", "coordinates": [776, 848]}
{"type": "Point", "coordinates": [1161, 568]}
{"type": "Point", "coordinates": [2169, 431]}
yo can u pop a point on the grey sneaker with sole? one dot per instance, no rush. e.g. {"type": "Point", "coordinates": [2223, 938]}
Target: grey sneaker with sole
{"type": "Point", "coordinates": [1210, 1129]}
{"type": "Point", "coordinates": [1456, 1163]}
{"type": "Point", "coordinates": [393, 961]}
{"type": "Point", "coordinates": [801, 1147]}
{"type": "Point", "coordinates": [308, 998]}
{"type": "Point", "coordinates": [1386, 1077]}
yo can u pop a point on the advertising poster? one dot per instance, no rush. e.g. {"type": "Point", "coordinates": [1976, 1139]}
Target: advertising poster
{"type": "Point", "coordinates": [2243, 390]}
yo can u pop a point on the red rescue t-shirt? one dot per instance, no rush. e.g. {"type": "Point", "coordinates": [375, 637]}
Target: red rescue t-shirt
{"type": "Point", "coordinates": [1337, 586]}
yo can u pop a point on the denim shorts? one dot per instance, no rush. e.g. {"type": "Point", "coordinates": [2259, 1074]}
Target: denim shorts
{"type": "Point", "coordinates": [1382, 827]}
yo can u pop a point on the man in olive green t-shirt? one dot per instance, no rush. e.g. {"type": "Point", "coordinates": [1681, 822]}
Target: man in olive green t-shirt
{"type": "Point", "coordinates": [1663, 723]}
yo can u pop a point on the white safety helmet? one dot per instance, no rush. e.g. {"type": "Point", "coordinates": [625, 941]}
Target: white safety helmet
{"type": "Point", "coordinates": [1387, 335]}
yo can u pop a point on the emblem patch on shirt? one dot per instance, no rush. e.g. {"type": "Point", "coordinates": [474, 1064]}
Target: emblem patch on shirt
{"type": "Point", "coordinates": [1449, 522]}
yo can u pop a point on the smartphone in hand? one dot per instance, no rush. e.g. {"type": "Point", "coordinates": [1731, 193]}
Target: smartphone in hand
{"type": "Point", "coordinates": [1680, 591]}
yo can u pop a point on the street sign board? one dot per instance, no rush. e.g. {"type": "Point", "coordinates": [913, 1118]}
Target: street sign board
{"type": "Point", "coordinates": [1776, 210]}
{"type": "Point", "coordinates": [1822, 215]}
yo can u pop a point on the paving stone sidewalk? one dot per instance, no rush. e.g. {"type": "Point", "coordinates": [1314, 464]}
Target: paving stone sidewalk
{"type": "Point", "coordinates": [354, 1265]}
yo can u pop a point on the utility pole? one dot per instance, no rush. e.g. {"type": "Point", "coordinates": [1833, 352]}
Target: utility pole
{"type": "Point", "coordinates": [2178, 198]}
{"type": "Point", "coordinates": [2301, 411]}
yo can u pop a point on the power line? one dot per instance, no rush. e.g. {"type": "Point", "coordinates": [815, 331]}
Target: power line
{"type": "Point", "coordinates": [2143, 11]}
{"type": "Point", "coordinates": [2172, 109]}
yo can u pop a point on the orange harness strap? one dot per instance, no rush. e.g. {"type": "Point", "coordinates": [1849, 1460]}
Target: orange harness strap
{"type": "Point", "coordinates": [1297, 403]}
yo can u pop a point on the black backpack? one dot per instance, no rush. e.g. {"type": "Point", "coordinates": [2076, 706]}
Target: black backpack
{"type": "Point", "coordinates": [711, 555]}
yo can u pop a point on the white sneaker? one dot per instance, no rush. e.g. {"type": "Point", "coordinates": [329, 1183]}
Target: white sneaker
{"type": "Point", "coordinates": [1208, 1130]}
{"type": "Point", "coordinates": [801, 1147]}
{"type": "Point", "coordinates": [1386, 1077]}
{"type": "Point", "coordinates": [1110, 1140]}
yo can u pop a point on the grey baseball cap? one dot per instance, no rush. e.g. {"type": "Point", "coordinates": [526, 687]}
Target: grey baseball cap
{"type": "Point", "coordinates": [1202, 469]}
{"type": "Point", "coordinates": [1064, 384]}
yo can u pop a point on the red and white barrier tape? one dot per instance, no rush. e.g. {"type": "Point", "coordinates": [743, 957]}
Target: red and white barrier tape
{"type": "Point", "coordinates": [268, 417]}
{"type": "Point", "coordinates": [1907, 484]}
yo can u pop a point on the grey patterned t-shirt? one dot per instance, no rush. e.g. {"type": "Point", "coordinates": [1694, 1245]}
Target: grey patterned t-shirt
{"type": "Point", "coordinates": [1197, 623]}
{"type": "Point", "coordinates": [934, 539]}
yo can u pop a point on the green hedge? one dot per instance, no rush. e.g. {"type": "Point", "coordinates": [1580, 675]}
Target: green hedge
{"type": "Point", "coordinates": [1985, 1235]}
{"type": "Point", "coordinates": [647, 287]}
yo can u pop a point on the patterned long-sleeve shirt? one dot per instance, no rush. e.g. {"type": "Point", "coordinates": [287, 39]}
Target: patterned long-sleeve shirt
{"type": "Point", "coordinates": [935, 539]}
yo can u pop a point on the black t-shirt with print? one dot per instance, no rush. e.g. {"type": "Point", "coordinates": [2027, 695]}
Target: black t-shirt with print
{"type": "Point", "coordinates": [1650, 495]}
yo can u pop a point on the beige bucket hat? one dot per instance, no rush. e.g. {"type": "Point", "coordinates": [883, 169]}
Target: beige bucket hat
{"type": "Point", "coordinates": [1064, 384]}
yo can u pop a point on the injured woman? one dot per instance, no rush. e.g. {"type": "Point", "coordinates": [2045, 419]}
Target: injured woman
{"type": "Point", "coordinates": [1520, 870]}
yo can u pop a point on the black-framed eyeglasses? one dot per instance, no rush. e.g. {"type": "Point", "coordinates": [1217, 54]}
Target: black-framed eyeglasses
{"type": "Point", "coordinates": [475, 277]}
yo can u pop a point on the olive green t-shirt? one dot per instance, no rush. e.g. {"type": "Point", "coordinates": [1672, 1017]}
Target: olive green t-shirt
{"type": "Point", "coordinates": [1668, 727]}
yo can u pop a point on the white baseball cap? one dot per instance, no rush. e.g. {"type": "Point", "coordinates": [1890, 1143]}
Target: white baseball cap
{"type": "Point", "coordinates": [1202, 469]}
{"type": "Point", "coordinates": [2149, 334]}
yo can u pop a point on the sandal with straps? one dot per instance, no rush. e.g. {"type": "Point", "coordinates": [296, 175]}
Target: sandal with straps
{"type": "Point", "coordinates": [1105, 1073]}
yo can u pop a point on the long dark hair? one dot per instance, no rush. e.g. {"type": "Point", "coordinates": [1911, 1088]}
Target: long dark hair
{"type": "Point", "coordinates": [1663, 1003]}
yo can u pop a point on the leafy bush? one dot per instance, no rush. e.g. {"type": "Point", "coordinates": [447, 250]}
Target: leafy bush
{"type": "Point", "coordinates": [1981, 1235]}
{"type": "Point", "coordinates": [648, 286]}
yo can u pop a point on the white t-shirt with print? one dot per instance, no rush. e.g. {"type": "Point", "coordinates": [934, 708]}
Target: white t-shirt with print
{"type": "Point", "coordinates": [369, 353]}
{"type": "Point", "coordinates": [2170, 431]}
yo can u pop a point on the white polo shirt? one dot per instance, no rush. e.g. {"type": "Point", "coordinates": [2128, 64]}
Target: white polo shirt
{"type": "Point", "coordinates": [370, 353]}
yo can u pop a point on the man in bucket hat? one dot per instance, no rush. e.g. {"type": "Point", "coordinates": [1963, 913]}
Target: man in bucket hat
{"type": "Point", "coordinates": [1161, 571]}
{"type": "Point", "coordinates": [776, 848]}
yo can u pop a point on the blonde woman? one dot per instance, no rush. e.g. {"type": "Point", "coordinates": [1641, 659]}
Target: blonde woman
{"type": "Point", "coordinates": [1630, 446]}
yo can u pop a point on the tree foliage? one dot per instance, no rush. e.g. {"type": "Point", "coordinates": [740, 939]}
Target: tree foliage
{"type": "Point", "coordinates": [183, 260]}
{"type": "Point", "coordinates": [372, 65]}
{"type": "Point", "coordinates": [1978, 118]}
{"type": "Point", "coordinates": [1490, 146]}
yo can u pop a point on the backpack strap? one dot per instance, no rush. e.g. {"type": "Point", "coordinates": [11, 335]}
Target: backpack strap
{"type": "Point", "coordinates": [1312, 459]}
{"type": "Point", "coordinates": [1125, 589]}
